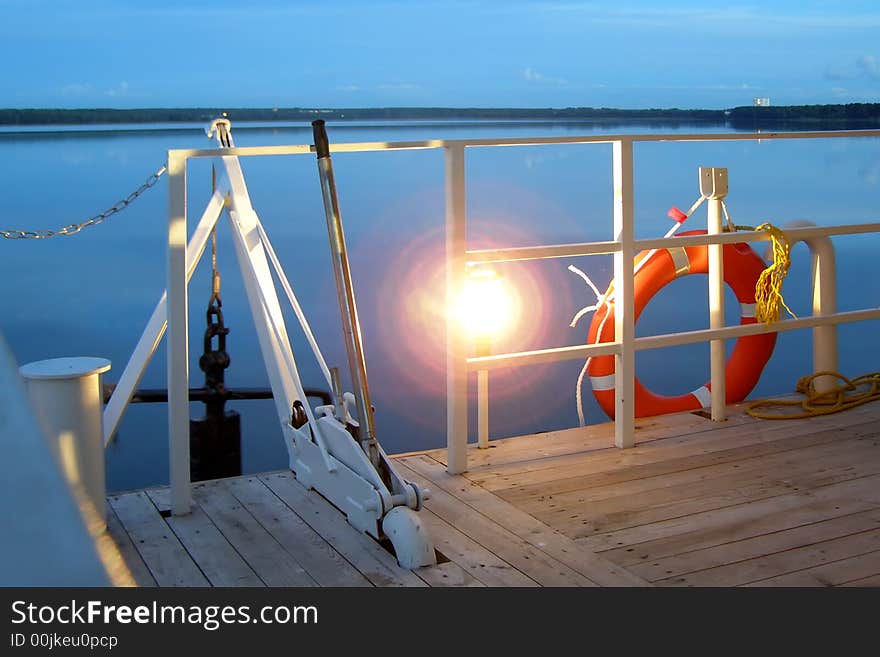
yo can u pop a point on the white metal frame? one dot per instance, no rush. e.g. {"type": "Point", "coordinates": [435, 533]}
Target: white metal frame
{"type": "Point", "coordinates": [323, 454]}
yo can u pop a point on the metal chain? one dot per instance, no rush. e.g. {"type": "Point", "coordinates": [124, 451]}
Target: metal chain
{"type": "Point", "coordinates": [91, 221]}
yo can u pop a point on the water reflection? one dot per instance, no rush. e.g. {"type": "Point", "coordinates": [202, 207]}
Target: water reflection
{"type": "Point", "coordinates": [92, 293]}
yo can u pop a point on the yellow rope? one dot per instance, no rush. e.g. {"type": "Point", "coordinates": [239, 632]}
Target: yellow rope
{"type": "Point", "coordinates": [840, 397]}
{"type": "Point", "coordinates": [768, 290]}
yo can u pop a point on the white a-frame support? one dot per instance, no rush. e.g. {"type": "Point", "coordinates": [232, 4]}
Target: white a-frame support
{"type": "Point", "coordinates": [323, 453]}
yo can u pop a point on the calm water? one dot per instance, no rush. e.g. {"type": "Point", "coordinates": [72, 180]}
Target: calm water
{"type": "Point", "coordinates": [92, 293]}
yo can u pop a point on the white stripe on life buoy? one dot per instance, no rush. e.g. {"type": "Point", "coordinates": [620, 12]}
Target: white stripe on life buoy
{"type": "Point", "coordinates": [704, 396]}
{"type": "Point", "coordinates": [602, 382]}
{"type": "Point", "coordinates": [680, 260]}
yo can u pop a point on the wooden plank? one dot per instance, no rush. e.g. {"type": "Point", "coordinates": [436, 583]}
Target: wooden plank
{"type": "Point", "coordinates": [838, 573]}
{"type": "Point", "coordinates": [758, 546]}
{"type": "Point", "coordinates": [684, 441]}
{"type": "Point", "coordinates": [699, 480]}
{"type": "Point", "coordinates": [739, 517]}
{"type": "Point", "coordinates": [312, 552]}
{"type": "Point", "coordinates": [580, 518]}
{"type": "Point", "coordinates": [873, 581]}
{"type": "Point", "coordinates": [168, 561]}
{"type": "Point", "coordinates": [596, 568]}
{"type": "Point", "coordinates": [217, 559]}
{"type": "Point", "coordinates": [370, 558]}
{"type": "Point", "coordinates": [659, 460]}
{"type": "Point", "coordinates": [271, 562]}
{"type": "Point", "coordinates": [475, 559]}
{"type": "Point", "coordinates": [581, 439]}
{"type": "Point", "coordinates": [520, 554]}
{"type": "Point", "coordinates": [713, 501]}
{"type": "Point", "coordinates": [124, 564]}
{"type": "Point", "coordinates": [745, 572]}
{"type": "Point", "coordinates": [448, 574]}
{"type": "Point", "coordinates": [718, 531]}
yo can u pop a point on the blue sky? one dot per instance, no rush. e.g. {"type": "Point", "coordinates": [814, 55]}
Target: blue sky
{"type": "Point", "coordinates": [520, 53]}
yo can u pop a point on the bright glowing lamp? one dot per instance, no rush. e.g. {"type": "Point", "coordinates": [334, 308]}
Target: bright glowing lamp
{"type": "Point", "coordinates": [487, 306]}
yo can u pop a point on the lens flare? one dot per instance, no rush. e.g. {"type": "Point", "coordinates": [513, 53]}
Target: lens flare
{"type": "Point", "coordinates": [487, 306]}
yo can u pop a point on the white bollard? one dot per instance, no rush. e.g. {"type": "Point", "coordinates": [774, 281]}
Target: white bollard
{"type": "Point", "coordinates": [66, 397]}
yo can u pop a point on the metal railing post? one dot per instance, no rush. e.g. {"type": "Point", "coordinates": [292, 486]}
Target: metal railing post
{"type": "Point", "coordinates": [824, 303]}
{"type": "Point", "coordinates": [624, 311]}
{"type": "Point", "coordinates": [456, 341]}
{"type": "Point", "coordinates": [713, 185]}
{"type": "Point", "coordinates": [178, 349]}
{"type": "Point", "coordinates": [483, 348]}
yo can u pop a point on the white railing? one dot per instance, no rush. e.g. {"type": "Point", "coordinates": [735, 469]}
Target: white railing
{"type": "Point", "coordinates": [459, 258]}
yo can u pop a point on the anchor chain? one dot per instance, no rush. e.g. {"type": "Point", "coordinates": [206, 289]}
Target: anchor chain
{"type": "Point", "coordinates": [215, 439]}
{"type": "Point", "coordinates": [72, 229]}
{"type": "Point", "coordinates": [214, 361]}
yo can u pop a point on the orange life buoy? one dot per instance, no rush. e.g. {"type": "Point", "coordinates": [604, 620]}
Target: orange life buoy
{"type": "Point", "coordinates": [742, 267]}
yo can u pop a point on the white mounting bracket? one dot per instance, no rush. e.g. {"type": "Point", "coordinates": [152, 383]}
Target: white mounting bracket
{"type": "Point", "coordinates": [713, 182]}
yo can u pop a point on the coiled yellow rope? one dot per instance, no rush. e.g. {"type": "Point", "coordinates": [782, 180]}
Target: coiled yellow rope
{"type": "Point", "coordinates": [847, 394]}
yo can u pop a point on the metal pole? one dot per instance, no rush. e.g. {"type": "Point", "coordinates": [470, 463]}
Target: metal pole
{"type": "Point", "coordinates": [345, 292]}
{"type": "Point", "coordinates": [624, 311]}
{"type": "Point", "coordinates": [713, 185]}
{"type": "Point", "coordinates": [456, 341]}
{"type": "Point", "coordinates": [178, 349]}
{"type": "Point", "coordinates": [483, 349]}
{"type": "Point", "coordinates": [824, 303]}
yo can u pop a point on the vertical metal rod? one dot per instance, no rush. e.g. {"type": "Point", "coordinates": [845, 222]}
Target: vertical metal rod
{"type": "Point", "coordinates": [624, 312]}
{"type": "Point", "coordinates": [483, 409]}
{"type": "Point", "coordinates": [336, 385]}
{"type": "Point", "coordinates": [824, 303]}
{"type": "Point", "coordinates": [178, 349]}
{"type": "Point", "coordinates": [713, 185]}
{"type": "Point", "coordinates": [345, 292]}
{"type": "Point", "coordinates": [456, 341]}
{"type": "Point", "coordinates": [484, 348]}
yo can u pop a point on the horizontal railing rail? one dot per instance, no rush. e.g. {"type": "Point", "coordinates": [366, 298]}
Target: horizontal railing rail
{"type": "Point", "coordinates": [623, 247]}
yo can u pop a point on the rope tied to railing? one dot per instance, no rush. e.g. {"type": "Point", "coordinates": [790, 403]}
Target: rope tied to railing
{"type": "Point", "coordinates": [769, 301]}
{"type": "Point", "coordinates": [72, 229]}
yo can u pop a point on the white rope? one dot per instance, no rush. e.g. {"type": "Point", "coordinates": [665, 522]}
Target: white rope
{"type": "Point", "coordinates": [600, 301]}
{"type": "Point", "coordinates": [294, 303]}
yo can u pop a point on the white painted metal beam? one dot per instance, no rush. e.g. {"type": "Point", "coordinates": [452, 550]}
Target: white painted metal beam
{"type": "Point", "coordinates": [178, 347]}
{"type": "Point", "coordinates": [713, 185]}
{"type": "Point", "coordinates": [541, 252]}
{"type": "Point", "coordinates": [624, 305]}
{"type": "Point", "coordinates": [456, 341]}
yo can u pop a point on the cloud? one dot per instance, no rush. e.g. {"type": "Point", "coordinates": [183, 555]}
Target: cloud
{"type": "Point", "coordinates": [120, 89]}
{"type": "Point", "coordinates": [399, 86]}
{"type": "Point", "coordinates": [531, 75]}
{"type": "Point", "coordinates": [867, 65]}
{"type": "Point", "coordinates": [77, 89]}
{"type": "Point", "coordinates": [348, 87]}
{"type": "Point", "coordinates": [683, 16]}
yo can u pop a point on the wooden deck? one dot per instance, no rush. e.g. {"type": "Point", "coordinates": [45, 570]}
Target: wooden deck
{"type": "Point", "coordinates": [742, 503]}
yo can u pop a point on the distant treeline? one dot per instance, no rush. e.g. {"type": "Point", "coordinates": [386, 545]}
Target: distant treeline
{"type": "Point", "coordinates": [862, 114]}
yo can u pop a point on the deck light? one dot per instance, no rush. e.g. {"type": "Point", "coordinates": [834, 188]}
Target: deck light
{"type": "Point", "coordinates": [487, 306]}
